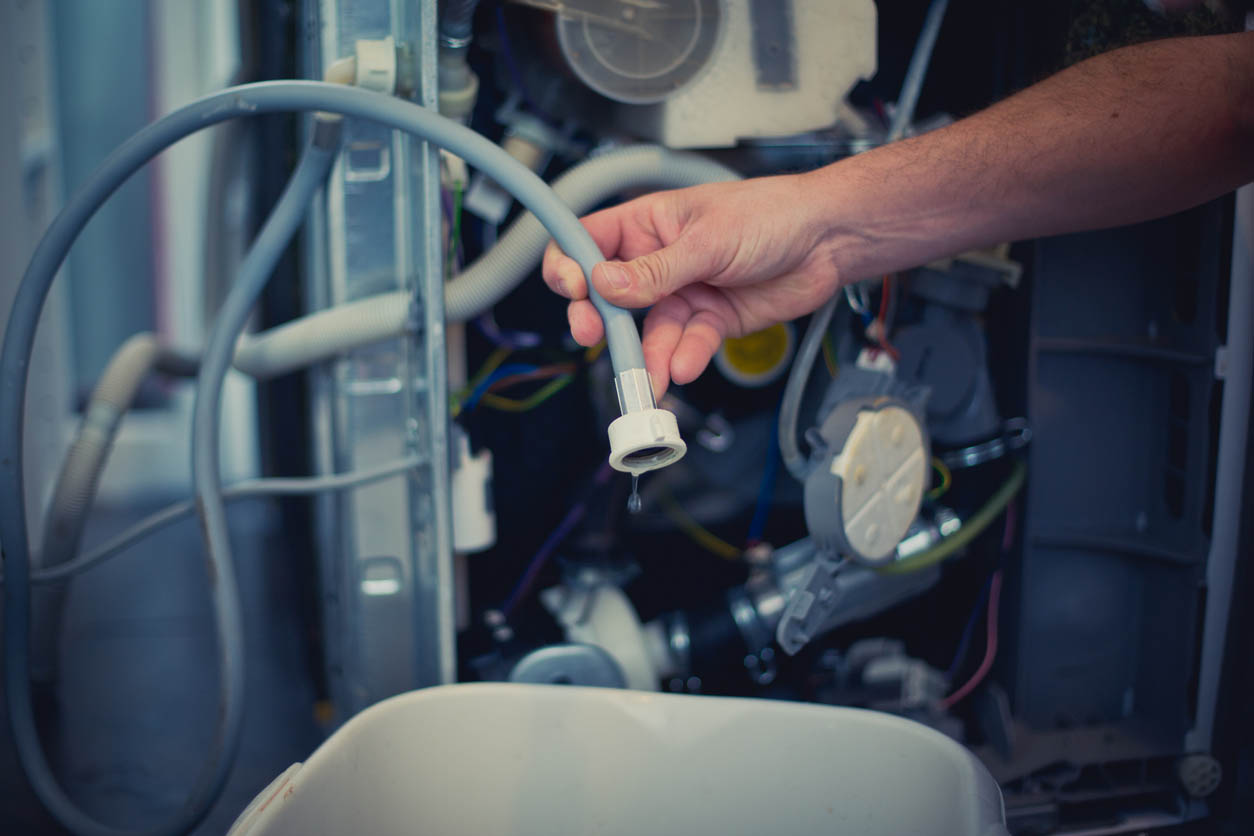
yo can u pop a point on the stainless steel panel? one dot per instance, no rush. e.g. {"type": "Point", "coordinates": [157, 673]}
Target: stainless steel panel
{"type": "Point", "coordinates": [384, 549]}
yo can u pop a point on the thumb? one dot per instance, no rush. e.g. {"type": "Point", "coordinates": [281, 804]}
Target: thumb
{"type": "Point", "coordinates": [642, 281]}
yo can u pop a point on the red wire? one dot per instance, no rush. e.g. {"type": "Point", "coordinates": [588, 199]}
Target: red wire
{"type": "Point", "coordinates": [542, 373]}
{"type": "Point", "coordinates": [885, 293]}
{"type": "Point", "coordinates": [990, 651]}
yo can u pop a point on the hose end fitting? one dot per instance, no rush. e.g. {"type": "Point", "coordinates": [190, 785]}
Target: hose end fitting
{"type": "Point", "coordinates": [644, 437]}
{"type": "Point", "coordinates": [645, 440]}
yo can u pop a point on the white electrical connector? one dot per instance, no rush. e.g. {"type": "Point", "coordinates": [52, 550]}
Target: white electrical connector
{"type": "Point", "coordinates": [376, 65]}
{"type": "Point", "coordinates": [474, 518]}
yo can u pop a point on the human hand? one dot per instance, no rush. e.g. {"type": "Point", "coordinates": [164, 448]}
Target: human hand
{"type": "Point", "coordinates": [713, 261]}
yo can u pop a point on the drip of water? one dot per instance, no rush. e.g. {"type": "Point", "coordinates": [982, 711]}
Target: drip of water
{"type": "Point", "coordinates": [633, 502]}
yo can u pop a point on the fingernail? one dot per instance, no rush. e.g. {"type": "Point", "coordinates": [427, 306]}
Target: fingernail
{"type": "Point", "coordinates": [615, 276]}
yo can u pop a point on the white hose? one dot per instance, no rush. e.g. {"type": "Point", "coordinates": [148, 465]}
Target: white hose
{"type": "Point", "coordinates": [328, 333]}
{"type": "Point", "coordinates": [490, 278]}
{"type": "Point", "coordinates": [127, 370]}
{"type": "Point", "coordinates": [324, 334]}
{"type": "Point", "coordinates": [76, 484]}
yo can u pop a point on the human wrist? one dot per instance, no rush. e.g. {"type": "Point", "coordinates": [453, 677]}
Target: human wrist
{"type": "Point", "coordinates": [838, 219]}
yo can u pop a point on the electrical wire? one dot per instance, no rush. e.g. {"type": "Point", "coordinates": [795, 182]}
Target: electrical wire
{"type": "Point", "coordinates": [455, 232]}
{"type": "Point", "coordinates": [947, 479]}
{"type": "Point", "coordinates": [829, 356]}
{"type": "Point", "coordinates": [968, 629]}
{"type": "Point", "coordinates": [18, 339]}
{"type": "Point", "coordinates": [971, 528]}
{"type": "Point", "coordinates": [990, 651]}
{"type": "Point", "coordinates": [555, 538]}
{"type": "Point", "coordinates": [515, 72]}
{"type": "Point", "coordinates": [856, 303]}
{"type": "Point", "coordinates": [532, 401]}
{"type": "Point", "coordinates": [1007, 540]}
{"type": "Point", "coordinates": [508, 370]}
{"type": "Point", "coordinates": [248, 489]}
{"type": "Point", "coordinates": [494, 361]}
{"type": "Point", "coordinates": [542, 373]}
{"type": "Point", "coordinates": [696, 532]}
{"type": "Point", "coordinates": [488, 326]}
{"type": "Point", "coordinates": [881, 321]}
{"type": "Point", "coordinates": [594, 352]}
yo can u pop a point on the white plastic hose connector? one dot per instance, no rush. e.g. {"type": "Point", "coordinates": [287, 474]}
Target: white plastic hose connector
{"type": "Point", "coordinates": [645, 440]}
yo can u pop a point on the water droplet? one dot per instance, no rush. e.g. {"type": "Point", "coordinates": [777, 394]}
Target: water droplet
{"type": "Point", "coordinates": [634, 504]}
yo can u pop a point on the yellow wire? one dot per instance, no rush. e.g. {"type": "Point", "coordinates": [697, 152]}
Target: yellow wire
{"type": "Point", "coordinates": [971, 528]}
{"type": "Point", "coordinates": [947, 479]}
{"type": "Point", "coordinates": [494, 361]}
{"type": "Point", "coordinates": [529, 403]}
{"type": "Point", "coordinates": [594, 352]}
{"type": "Point", "coordinates": [696, 532]}
{"type": "Point", "coordinates": [829, 356]}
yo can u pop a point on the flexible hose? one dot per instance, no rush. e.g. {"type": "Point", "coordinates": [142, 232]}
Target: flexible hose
{"type": "Point", "coordinates": [243, 100]}
{"type": "Point", "coordinates": [324, 334]}
{"type": "Point", "coordinates": [277, 232]}
{"type": "Point", "coordinates": [487, 280]}
{"type": "Point", "coordinates": [75, 488]}
{"type": "Point", "coordinates": [971, 527]}
{"type": "Point", "coordinates": [493, 275]}
{"type": "Point", "coordinates": [795, 389]}
{"type": "Point", "coordinates": [247, 489]}
{"type": "Point", "coordinates": [917, 71]}
{"type": "Point", "coordinates": [456, 18]}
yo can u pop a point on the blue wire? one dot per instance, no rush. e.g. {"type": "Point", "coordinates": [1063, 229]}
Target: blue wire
{"type": "Point", "coordinates": [507, 53]}
{"type": "Point", "coordinates": [969, 630]}
{"type": "Point", "coordinates": [504, 371]}
{"type": "Point", "coordinates": [766, 489]}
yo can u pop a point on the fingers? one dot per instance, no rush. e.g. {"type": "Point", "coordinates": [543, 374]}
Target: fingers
{"type": "Point", "coordinates": [645, 280]}
{"type": "Point", "coordinates": [562, 274]}
{"type": "Point", "coordinates": [663, 327]}
{"type": "Point", "coordinates": [585, 323]}
{"type": "Point", "coordinates": [702, 336]}
{"type": "Point", "coordinates": [682, 332]}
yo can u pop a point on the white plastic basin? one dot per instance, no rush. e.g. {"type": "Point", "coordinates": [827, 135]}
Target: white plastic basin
{"type": "Point", "coordinates": [535, 759]}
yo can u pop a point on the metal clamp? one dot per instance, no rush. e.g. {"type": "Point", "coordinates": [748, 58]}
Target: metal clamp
{"type": "Point", "coordinates": [1016, 434]}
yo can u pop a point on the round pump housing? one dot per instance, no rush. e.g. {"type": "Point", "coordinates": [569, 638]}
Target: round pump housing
{"type": "Point", "coordinates": [638, 53]}
{"type": "Point", "coordinates": [867, 483]}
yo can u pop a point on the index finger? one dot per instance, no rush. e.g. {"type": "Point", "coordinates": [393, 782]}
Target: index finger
{"type": "Point", "coordinates": [562, 274]}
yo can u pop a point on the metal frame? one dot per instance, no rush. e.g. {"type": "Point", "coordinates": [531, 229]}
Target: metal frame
{"type": "Point", "coordinates": [384, 551]}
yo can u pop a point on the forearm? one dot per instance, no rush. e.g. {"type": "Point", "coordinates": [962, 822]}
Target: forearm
{"type": "Point", "coordinates": [1133, 134]}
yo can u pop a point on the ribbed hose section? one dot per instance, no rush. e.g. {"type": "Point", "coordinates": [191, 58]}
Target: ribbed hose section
{"type": "Point", "coordinates": [486, 281]}
{"type": "Point", "coordinates": [76, 484]}
{"type": "Point", "coordinates": [323, 335]}
{"type": "Point", "coordinates": [457, 18]}
{"type": "Point", "coordinates": [490, 278]}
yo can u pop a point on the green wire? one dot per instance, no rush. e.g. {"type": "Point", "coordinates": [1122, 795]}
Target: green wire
{"type": "Point", "coordinates": [455, 231]}
{"type": "Point", "coordinates": [971, 529]}
{"type": "Point", "coordinates": [533, 400]}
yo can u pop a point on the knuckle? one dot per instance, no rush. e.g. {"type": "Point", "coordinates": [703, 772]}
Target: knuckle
{"type": "Point", "coordinates": [651, 273]}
